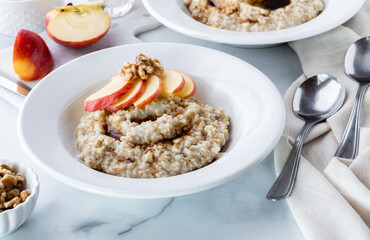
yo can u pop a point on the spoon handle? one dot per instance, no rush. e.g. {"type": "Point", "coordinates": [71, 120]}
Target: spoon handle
{"type": "Point", "coordinates": [348, 146]}
{"type": "Point", "coordinates": [284, 183]}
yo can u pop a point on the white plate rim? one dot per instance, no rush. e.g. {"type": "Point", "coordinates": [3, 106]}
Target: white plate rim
{"type": "Point", "coordinates": [251, 39]}
{"type": "Point", "coordinates": [277, 128]}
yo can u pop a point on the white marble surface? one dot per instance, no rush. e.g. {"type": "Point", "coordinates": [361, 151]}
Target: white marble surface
{"type": "Point", "coordinates": [235, 210]}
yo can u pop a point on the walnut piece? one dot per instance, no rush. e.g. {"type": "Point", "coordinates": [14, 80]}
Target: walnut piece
{"type": "Point", "coordinates": [9, 180]}
{"type": "Point", "coordinates": [24, 194]}
{"type": "Point", "coordinates": [4, 169]}
{"type": "Point", "coordinates": [143, 67]}
{"type": "Point", "coordinates": [11, 192]}
{"type": "Point", "coordinates": [12, 203]}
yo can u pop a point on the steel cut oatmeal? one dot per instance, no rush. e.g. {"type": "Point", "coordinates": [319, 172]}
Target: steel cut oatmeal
{"type": "Point", "coordinates": [254, 15]}
{"type": "Point", "coordinates": [169, 136]}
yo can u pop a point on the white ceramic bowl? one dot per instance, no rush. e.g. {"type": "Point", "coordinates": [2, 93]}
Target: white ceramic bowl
{"type": "Point", "coordinates": [27, 14]}
{"type": "Point", "coordinates": [55, 106]}
{"type": "Point", "coordinates": [12, 219]}
{"type": "Point", "coordinates": [175, 15]}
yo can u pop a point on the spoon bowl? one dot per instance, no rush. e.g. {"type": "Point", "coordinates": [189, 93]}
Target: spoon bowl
{"type": "Point", "coordinates": [316, 99]}
{"type": "Point", "coordinates": [357, 61]}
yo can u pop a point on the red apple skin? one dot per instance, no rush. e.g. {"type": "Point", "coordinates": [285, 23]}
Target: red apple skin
{"type": "Point", "coordinates": [194, 88]}
{"type": "Point", "coordinates": [165, 92]}
{"type": "Point", "coordinates": [103, 102]}
{"type": "Point", "coordinates": [77, 44]}
{"type": "Point", "coordinates": [193, 92]}
{"type": "Point", "coordinates": [32, 59]}
{"type": "Point", "coordinates": [49, 16]}
{"type": "Point", "coordinates": [130, 101]}
{"type": "Point", "coordinates": [152, 97]}
{"type": "Point", "coordinates": [181, 86]}
{"type": "Point", "coordinates": [85, 43]}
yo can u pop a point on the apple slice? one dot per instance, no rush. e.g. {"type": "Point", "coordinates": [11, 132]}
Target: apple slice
{"type": "Point", "coordinates": [189, 88]}
{"type": "Point", "coordinates": [129, 98]}
{"type": "Point", "coordinates": [153, 88]}
{"type": "Point", "coordinates": [77, 26]}
{"type": "Point", "coordinates": [32, 59]}
{"type": "Point", "coordinates": [101, 99]}
{"type": "Point", "coordinates": [173, 82]}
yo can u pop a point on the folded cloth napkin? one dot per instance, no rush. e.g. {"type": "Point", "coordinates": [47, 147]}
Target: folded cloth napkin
{"type": "Point", "coordinates": [122, 31]}
{"type": "Point", "coordinates": [331, 196]}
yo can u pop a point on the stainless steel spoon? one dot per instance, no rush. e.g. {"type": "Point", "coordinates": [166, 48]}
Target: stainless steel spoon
{"type": "Point", "coordinates": [357, 65]}
{"type": "Point", "coordinates": [316, 99]}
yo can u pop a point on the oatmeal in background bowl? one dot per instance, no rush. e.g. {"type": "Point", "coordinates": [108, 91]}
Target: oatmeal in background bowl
{"type": "Point", "coordinates": [254, 15]}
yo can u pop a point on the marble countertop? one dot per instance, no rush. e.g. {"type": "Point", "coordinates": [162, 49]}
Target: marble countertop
{"type": "Point", "coordinates": [235, 210]}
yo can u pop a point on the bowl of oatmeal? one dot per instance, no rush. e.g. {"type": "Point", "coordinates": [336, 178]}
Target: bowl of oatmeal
{"type": "Point", "coordinates": [252, 23]}
{"type": "Point", "coordinates": [231, 111]}
{"type": "Point", "coordinates": [150, 125]}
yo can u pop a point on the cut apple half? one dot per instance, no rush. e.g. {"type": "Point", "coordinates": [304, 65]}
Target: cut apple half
{"type": "Point", "coordinates": [152, 90]}
{"type": "Point", "coordinates": [129, 98]}
{"type": "Point", "coordinates": [189, 87]}
{"type": "Point", "coordinates": [173, 82]}
{"type": "Point", "coordinates": [32, 59]}
{"type": "Point", "coordinates": [77, 26]}
{"type": "Point", "coordinates": [101, 99]}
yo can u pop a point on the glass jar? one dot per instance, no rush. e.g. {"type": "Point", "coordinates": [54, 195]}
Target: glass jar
{"type": "Point", "coordinates": [115, 8]}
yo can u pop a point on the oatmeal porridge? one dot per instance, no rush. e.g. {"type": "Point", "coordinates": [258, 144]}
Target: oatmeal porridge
{"type": "Point", "coordinates": [169, 136]}
{"type": "Point", "coordinates": [254, 15]}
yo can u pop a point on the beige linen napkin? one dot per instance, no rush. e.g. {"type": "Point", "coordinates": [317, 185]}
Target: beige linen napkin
{"type": "Point", "coordinates": [331, 197]}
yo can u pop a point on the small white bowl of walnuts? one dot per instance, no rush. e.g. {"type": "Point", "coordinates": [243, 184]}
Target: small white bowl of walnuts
{"type": "Point", "coordinates": [19, 189]}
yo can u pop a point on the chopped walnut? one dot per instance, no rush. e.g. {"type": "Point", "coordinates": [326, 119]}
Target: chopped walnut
{"type": "Point", "coordinates": [3, 166]}
{"type": "Point", "coordinates": [2, 197]}
{"type": "Point", "coordinates": [12, 203]}
{"type": "Point", "coordinates": [20, 179]}
{"type": "Point", "coordinates": [11, 192]}
{"type": "Point", "coordinates": [143, 67]}
{"type": "Point", "coordinates": [9, 180]}
{"type": "Point", "coordinates": [24, 194]}
{"type": "Point", "coordinates": [4, 169]}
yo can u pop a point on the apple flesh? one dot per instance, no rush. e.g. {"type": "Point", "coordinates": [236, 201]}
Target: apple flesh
{"type": "Point", "coordinates": [77, 26]}
{"type": "Point", "coordinates": [129, 98]}
{"type": "Point", "coordinates": [189, 87]}
{"type": "Point", "coordinates": [32, 59]}
{"type": "Point", "coordinates": [110, 93]}
{"type": "Point", "coordinates": [153, 88]}
{"type": "Point", "coordinates": [173, 82]}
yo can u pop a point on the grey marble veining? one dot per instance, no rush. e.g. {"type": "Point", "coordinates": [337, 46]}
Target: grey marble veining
{"type": "Point", "coordinates": [235, 210]}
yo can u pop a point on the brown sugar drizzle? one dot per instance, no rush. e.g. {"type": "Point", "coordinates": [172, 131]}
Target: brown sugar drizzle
{"type": "Point", "coordinates": [269, 4]}
{"type": "Point", "coordinates": [112, 133]}
{"type": "Point", "coordinates": [266, 4]}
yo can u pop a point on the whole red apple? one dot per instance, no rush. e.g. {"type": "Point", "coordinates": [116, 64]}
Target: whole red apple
{"type": "Point", "coordinates": [32, 59]}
